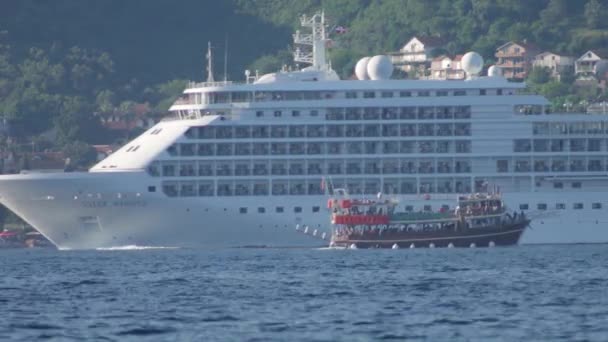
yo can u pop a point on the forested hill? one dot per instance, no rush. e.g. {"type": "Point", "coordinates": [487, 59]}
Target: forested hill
{"type": "Point", "coordinates": [62, 60]}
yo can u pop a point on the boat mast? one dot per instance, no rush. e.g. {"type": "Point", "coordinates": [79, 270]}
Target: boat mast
{"type": "Point", "coordinates": [314, 41]}
{"type": "Point", "coordinates": [209, 63]}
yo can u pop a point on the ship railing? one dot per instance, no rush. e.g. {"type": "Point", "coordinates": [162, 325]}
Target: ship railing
{"type": "Point", "coordinates": [193, 84]}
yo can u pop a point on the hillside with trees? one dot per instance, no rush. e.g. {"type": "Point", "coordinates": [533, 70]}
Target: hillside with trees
{"type": "Point", "coordinates": [64, 64]}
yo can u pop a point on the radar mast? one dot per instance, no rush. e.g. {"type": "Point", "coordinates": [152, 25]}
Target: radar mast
{"type": "Point", "coordinates": [310, 48]}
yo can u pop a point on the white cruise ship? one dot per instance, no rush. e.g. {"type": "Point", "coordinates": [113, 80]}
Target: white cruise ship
{"type": "Point", "coordinates": [244, 164]}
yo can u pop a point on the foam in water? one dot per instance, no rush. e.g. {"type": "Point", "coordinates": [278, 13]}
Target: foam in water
{"type": "Point", "coordinates": [132, 248]}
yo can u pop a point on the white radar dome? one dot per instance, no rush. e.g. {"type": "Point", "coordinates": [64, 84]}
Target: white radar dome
{"type": "Point", "coordinates": [472, 63]}
{"type": "Point", "coordinates": [601, 68]}
{"type": "Point", "coordinates": [380, 68]}
{"type": "Point", "coordinates": [494, 71]}
{"type": "Point", "coordinates": [361, 69]}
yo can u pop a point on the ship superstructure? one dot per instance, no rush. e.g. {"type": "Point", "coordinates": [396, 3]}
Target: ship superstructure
{"type": "Point", "coordinates": [244, 164]}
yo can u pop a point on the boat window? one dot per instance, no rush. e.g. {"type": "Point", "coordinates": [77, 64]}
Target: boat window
{"type": "Point", "coordinates": [578, 206]}
{"type": "Point", "coordinates": [596, 205]}
{"type": "Point", "coordinates": [135, 148]}
{"type": "Point", "coordinates": [243, 210]}
{"type": "Point", "coordinates": [558, 185]}
{"type": "Point", "coordinates": [261, 210]}
{"type": "Point", "coordinates": [405, 94]}
{"type": "Point", "coordinates": [151, 188]}
{"type": "Point", "coordinates": [351, 95]}
{"type": "Point", "coordinates": [386, 94]}
{"type": "Point", "coordinates": [314, 112]}
{"type": "Point", "coordinates": [316, 209]}
{"type": "Point", "coordinates": [460, 92]}
{"type": "Point", "coordinates": [576, 185]}
{"type": "Point", "coordinates": [523, 206]}
{"type": "Point", "coordinates": [482, 92]}
{"type": "Point", "coordinates": [424, 93]}
{"type": "Point", "coordinates": [428, 208]}
{"type": "Point", "coordinates": [297, 209]}
{"type": "Point", "coordinates": [409, 208]}
{"type": "Point", "coordinates": [560, 206]}
{"type": "Point", "coordinates": [369, 95]}
{"type": "Point", "coordinates": [541, 206]}
{"type": "Point", "coordinates": [441, 93]}
{"type": "Point", "coordinates": [277, 113]}
{"type": "Point", "coordinates": [295, 113]}
{"type": "Point", "coordinates": [259, 113]}
{"type": "Point", "coordinates": [279, 209]}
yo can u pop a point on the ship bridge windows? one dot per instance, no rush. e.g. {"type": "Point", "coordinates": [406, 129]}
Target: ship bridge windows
{"type": "Point", "coordinates": [278, 149]}
{"type": "Point", "coordinates": [351, 94]}
{"type": "Point", "coordinates": [315, 167]}
{"type": "Point", "coordinates": [426, 166]}
{"type": "Point", "coordinates": [314, 148]}
{"type": "Point", "coordinates": [170, 189]}
{"type": "Point", "coordinates": [427, 186]}
{"type": "Point", "coordinates": [445, 185]}
{"type": "Point", "coordinates": [443, 113]}
{"type": "Point", "coordinates": [279, 187]}
{"type": "Point", "coordinates": [390, 166]}
{"type": "Point", "coordinates": [354, 147]}
{"type": "Point", "coordinates": [444, 130]}
{"type": "Point", "coordinates": [371, 130]}
{"type": "Point", "coordinates": [169, 170]}
{"type": "Point", "coordinates": [502, 166]}
{"type": "Point", "coordinates": [205, 169]}
{"type": "Point", "coordinates": [296, 167]}
{"type": "Point", "coordinates": [390, 186]}
{"type": "Point", "coordinates": [279, 167]}
{"type": "Point", "coordinates": [560, 206]}
{"type": "Point", "coordinates": [335, 131]}
{"type": "Point", "coordinates": [408, 167]}
{"type": "Point", "coordinates": [260, 149]}
{"type": "Point", "coordinates": [353, 114]}
{"type": "Point", "coordinates": [407, 130]}
{"type": "Point", "coordinates": [578, 206]}
{"type": "Point", "coordinates": [335, 148]}
{"type": "Point", "coordinates": [443, 146]}
{"type": "Point", "coordinates": [407, 146]}
{"type": "Point", "coordinates": [206, 132]}
{"type": "Point", "coordinates": [278, 131]}
{"type": "Point", "coordinates": [460, 92]}
{"type": "Point", "coordinates": [541, 128]}
{"type": "Point", "coordinates": [576, 128]}
{"type": "Point", "coordinates": [260, 168]}
{"type": "Point", "coordinates": [541, 145]}
{"type": "Point", "coordinates": [371, 147]}
{"type": "Point", "coordinates": [153, 169]}
{"type": "Point", "coordinates": [541, 165]}
{"type": "Point", "coordinates": [297, 132]}
{"type": "Point", "coordinates": [390, 147]}
{"type": "Point", "coordinates": [522, 145]}
{"type": "Point", "coordinates": [259, 131]}
{"type": "Point", "coordinates": [371, 186]}
{"type": "Point", "coordinates": [242, 188]}
{"type": "Point", "coordinates": [260, 188]}
{"type": "Point", "coordinates": [577, 165]}
{"type": "Point", "coordinates": [444, 166]}
{"type": "Point", "coordinates": [386, 94]}
{"type": "Point", "coordinates": [335, 167]}
{"type": "Point", "coordinates": [241, 168]}
{"type": "Point", "coordinates": [463, 146]}
{"type": "Point", "coordinates": [315, 131]}
{"type": "Point", "coordinates": [224, 149]}
{"type": "Point", "coordinates": [187, 189]}
{"type": "Point", "coordinates": [297, 187]}
{"type": "Point", "coordinates": [335, 114]}
{"type": "Point", "coordinates": [242, 132]}
{"type": "Point", "coordinates": [596, 165]}
{"type": "Point", "coordinates": [408, 186]}
{"type": "Point", "coordinates": [523, 165]}
{"type": "Point", "coordinates": [596, 205]}
{"type": "Point", "coordinates": [242, 149]}
{"type": "Point", "coordinates": [297, 148]}
{"type": "Point", "coordinates": [558, 145]}
{"type": "Point", "coordinates": [390, 113]}
{"type": "Point", "coordinates": [462, 166]}
{"type": "Point", "coordinates": [173, 150]}
{"type": "Point", "coordinates": [426, 146]}
{"type": "Point", "coordinates": [425, 130]}
{"type": "Point", "coordinates": [462, 112]}
{"type": "Point", "coordinates": [407, 113]}
{"type": "Point", "coordinates": [577, 145]}
{"type": "Point", "coordinates": [369, 94]}
{"type": "Point", "coordinates": [223, 168]}
{"type": "Point", "coordinates": [371, 113]}
{"type": "Point", "coordinates": [559, 164]}
{"type": "Point", "coordinates": [225, 188]}
{"type": "Point", "coordinates": [353, 131]}
{"type": "Point", "coordinates": [206, 150]}
{"type": "Point", "coordinates": [372, 166]}
{"type": "Point", "coordinates": [426, 113]}
{"type": "Point", "coordinates": [187, 169]}
{"type": "Point", "coordinates": [405, 94]}
{"type": "Point", "coordinates": [353, 167]}
{"type": "Point", "coordinates": [594, 145]}
{"type": "Point", "coordinates": [462, 129]}
{"type": "Point", "coordinates": [390, 130]}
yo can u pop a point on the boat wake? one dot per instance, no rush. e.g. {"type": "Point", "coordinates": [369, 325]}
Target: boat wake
{"type": "Point", "coordinates": [132, 248]}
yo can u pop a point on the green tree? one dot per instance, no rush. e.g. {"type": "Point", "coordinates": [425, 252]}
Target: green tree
{"type": "Point", "coordinates": [594, 13]}
{"type": "Point", "coordinates": [539, 75]}
{"type": "Point", "coordinates": [79, 154]}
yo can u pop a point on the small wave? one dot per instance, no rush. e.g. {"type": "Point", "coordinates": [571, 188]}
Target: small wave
{"type": "Point", "coordinates": [132, 248]}
{"type": "Point", "coordinates": [143, 331]}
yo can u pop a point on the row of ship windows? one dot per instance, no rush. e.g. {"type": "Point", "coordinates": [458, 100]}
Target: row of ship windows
{"type": "Point", "coordinates": [380, 113]}
{"type": "Point", "coordinates": [329, 131]}
{"type": "Point", "coordinates": [264, 96]}
{"type": "Point", "coordinates": [560, 145]}
{"type": "Point", "coordinates": [554, 165]}
{"type": "Point", "coordinates": [310, 167]}
{"type": "Point", "coordinates": [319, 148]}
{"type": "Point", "coordinates": [563, 128]}
{"type": "Point", "coordinates": [318, 187]}
{"type": "Point", "coordinates": [560, 206]}
{"type": "Point", "coordinates": [428, 208]}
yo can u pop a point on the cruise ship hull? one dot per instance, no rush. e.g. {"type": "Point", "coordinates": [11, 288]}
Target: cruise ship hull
{"type": "Point", "coordinates": [98, 210]}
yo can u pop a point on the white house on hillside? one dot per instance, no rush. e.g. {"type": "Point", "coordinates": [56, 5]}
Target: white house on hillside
{"type": "Point", "coordinates": [554, 62]}
{"type": "Point", "coordinates": [584, 67]}
{"type": "Point", "coordinates": [447, 68]}
{"type": "Point", "coordinates": [416, 53]}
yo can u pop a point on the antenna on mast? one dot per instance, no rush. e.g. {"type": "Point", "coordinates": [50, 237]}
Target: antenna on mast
{"type": "Point", "coordinates": [209, 63]}
{"type": "Point", "coordinates": [226, 59]}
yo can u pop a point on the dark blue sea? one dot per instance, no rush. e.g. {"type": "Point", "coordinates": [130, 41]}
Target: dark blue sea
{"type": "Point", "coordinates": [526, 293]}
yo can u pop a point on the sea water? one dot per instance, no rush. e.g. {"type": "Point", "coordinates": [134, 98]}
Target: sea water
{"type": "Point", "coordinates": [525, 293]}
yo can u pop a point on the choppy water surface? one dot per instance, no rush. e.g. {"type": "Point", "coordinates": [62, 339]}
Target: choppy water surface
{"type": "Point", "coordinates": [503, 294]}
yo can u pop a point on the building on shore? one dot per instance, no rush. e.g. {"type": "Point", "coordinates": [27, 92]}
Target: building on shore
{"type": "Point", "coordinates": [558, 65]}
{"type": "Point", "coordinates": [416, 56]}
{"type": "Point", "coordinates": [447, 68]}
{"type": "Point", "coordinates": [515, 59]}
